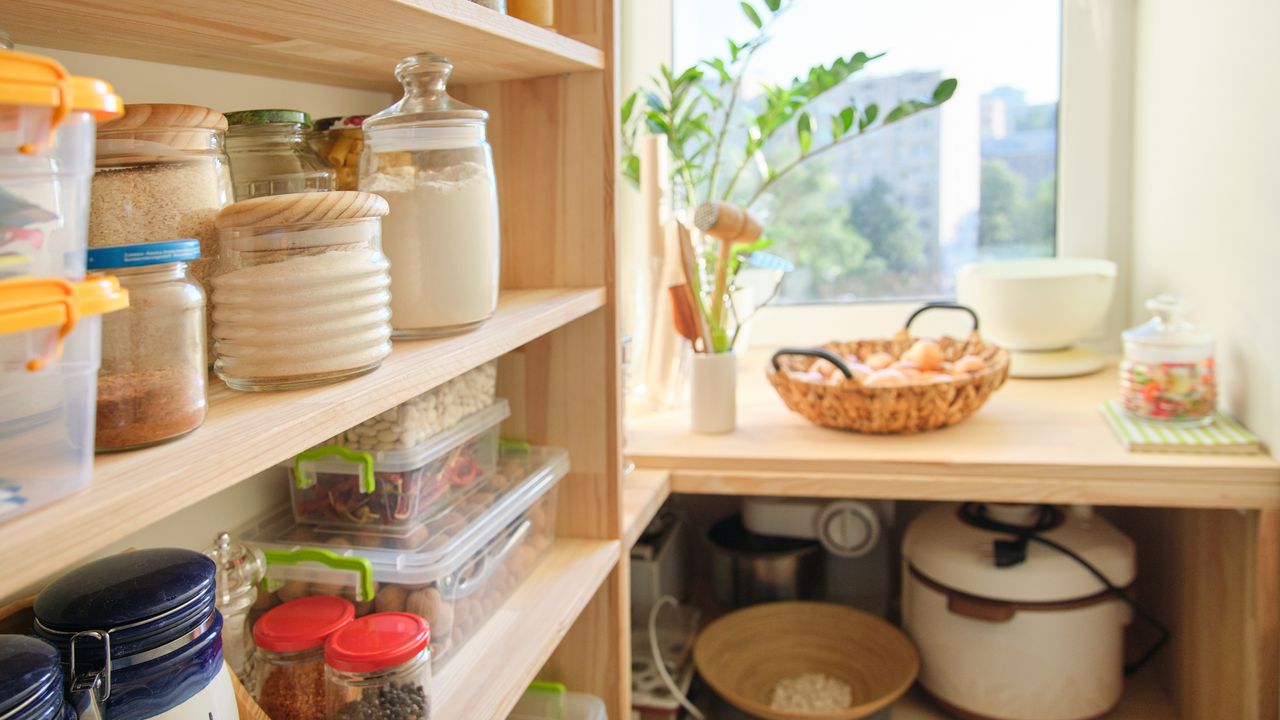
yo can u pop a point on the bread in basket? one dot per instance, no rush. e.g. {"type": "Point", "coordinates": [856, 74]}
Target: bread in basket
{"type": "Point", "coordinates": [969, 370]}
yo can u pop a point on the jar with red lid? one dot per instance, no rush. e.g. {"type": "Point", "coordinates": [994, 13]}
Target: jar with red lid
{"type": "Point", "coordinates": [379, 666]}
{"type": "Point", "coordinates": [290, 656]}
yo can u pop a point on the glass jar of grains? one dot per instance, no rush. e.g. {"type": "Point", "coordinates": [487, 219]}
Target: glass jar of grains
{"type": "Point", "coordinates": [379, 667]}
{"type": "Point", "coordinates": [290, 659]}
{"type": "Point", "coordinates": [151, 385]}
{"type": "Point", "coordinates": [428, 156]}
{"type": "Point", "coordinates": [339, 141]}
{"type": "Point", "coordinates": [270, 155]}
{"type": "Point", "coordinates": [302, 293]}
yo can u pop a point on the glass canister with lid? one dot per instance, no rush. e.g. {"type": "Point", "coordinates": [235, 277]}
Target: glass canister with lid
{"type": "Point", "coordinates": [428, 156]}
{"type": "Point", "coordinates": [379, 666]}
{"type": "Point", "coordinates": [31, 685]}
{"type": "Point", "coordinates": [290, 665]}
{"type": "Point", "coordinates": [140, 636]}
{"type": "Point", "coordinates": [302, 295]}
{"type": "Point", "coordinates": [270, 154]}
{"type": "Point", "coordinates": [339, 140]}
{"type": "Point", "coordinates": [240, 570]}
{"type": "Point", "coordinates": [151, 384]}
{"type": "Point", "coordinates": [1167, 374]}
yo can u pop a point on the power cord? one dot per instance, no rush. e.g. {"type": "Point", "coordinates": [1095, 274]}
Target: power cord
{"type": "Point", "coordinates": [1013, 552]}
{"type": "Point", "coordinates": [660, 665]}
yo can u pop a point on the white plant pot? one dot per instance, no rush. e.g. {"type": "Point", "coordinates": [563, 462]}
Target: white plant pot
{"type": "Point", "coordinates": [713, 392]}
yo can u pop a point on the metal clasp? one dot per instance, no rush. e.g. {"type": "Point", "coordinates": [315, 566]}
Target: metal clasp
{"type": "Point", "coordinates": [91, 689]}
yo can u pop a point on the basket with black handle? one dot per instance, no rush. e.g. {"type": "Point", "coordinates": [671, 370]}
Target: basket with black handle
{"type": "Point", "coordinates": [926, 401]}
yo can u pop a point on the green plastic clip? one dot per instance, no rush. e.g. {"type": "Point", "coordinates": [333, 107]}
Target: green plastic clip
{"type": "Point", "coordinates": [303, 480]}
{"type": "Point", "coordinates": [360, 566]}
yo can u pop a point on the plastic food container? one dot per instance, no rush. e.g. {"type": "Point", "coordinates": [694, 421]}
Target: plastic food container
{"type": "Point", "coordinates": [31, 684]}
{"type": "Point", "coordinates": [1167, 374]}
{"type": "Point", "coordinates": [270, 155]}
{"type": "Point", "coordinates": [379, 667]}
{"type": "Point", "coordinates": [145, 631]}
{"type": "Point", "coordinates": [301, 297]}
{"type": "Point", "coordinates": [336, 485]}
{"type": "Point", "coordinates": [551, 701]}
{"type": "Point", "coordinates": [339, 140]}
{"type": "Point", "coordinates": [151, 388]}
{"type": "Point", "coordinates": [455, 570]}
{"type": "Point", "coordinates": [48, 378]}
{"type": "Point", "coordinates": [290, 658]}
{"type": "Point", "coordinates": [428, 156]}
{"type": "Point", "coordinates": [46, 160]}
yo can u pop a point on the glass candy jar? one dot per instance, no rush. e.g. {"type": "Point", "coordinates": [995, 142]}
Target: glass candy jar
{"type": "Point", "coordinates": [428, 156]}
{"type": "Point", "coordinates": [301, 297]}
{"type": "Point", "coordinates": [290, 664]}
{"type": "Point", "coordinates": [270, 154]}
{"type": "Point", "coordinates": [151, 385]}
{"type": "Point", "coordinates": [1167, 374]}
{"type": "Point", "coordinates": [379, 666]}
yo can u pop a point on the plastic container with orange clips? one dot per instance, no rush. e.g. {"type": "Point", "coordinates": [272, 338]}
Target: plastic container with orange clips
{"type": "Point", "coordinates": [49, 329]}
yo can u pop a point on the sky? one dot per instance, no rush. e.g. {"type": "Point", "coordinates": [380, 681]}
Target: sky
{"type": "Point", "coordinates": [984, 43]}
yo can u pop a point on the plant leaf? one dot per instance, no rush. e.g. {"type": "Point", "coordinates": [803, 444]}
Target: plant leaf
{"type": "Point", "coordinates": [631, 167]}
{"type": "Point", "coordinates": [628, 106]}
{"type": "Point", "coordinates": [944, 91]}
{"type": "Point", "coordinates": [869, 115]}
{"type": "Point", "coordinates": [773, 5]}
{"type": "Point", "coordinates": [751, 14]}
{"type": "Point", "coordinates": [804, 133]}
{"type": "Point", "coordinates": [847, 116]}
{"type": "Point", "coordinates": [718, 65]}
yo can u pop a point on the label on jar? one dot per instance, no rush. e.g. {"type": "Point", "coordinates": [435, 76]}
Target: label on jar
{"type": "Point", "coordinates": [216, 701]}
{"type": "Point", "coordinates": [1169, 392]}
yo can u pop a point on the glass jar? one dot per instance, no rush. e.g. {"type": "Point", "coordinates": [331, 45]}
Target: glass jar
{"type": "Point", "coordinates": [31, 684]}
{"type": "Point", "coordinates": [151, 386]}
{"type": "Point", "coordinates": [302, 294]}
{"type": "Point", "coordinates": [6, 42]}
{"type": "Point", "coordinates": [537, 12]}
{"type": "Point", "coordinates": [144, 623]}
{"type": "Point", "coordinates": [290, 664]}
{"type": "Point", "coordinates": [240, 569]}
{"type": "Point", "coordinates": [427, 155]}
{"type": "Point", "coordinates": [379, 666]}
{"type": "Point", "coordinates": [1167, 374]}
{"type": "Point", "coordinates": [270, 155]}
{"type": "Point", "coordinates": [339, 141]}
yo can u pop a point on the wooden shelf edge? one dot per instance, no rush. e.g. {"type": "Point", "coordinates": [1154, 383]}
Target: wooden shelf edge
{"type": "Point", "coordinates": [643, 493]}
{"type": "Point", "coordinates": [490, 673]}
{"type": "Point", "coordinates": [1143, 700]}
{"type": "Point", "coordinates": [246, 433]}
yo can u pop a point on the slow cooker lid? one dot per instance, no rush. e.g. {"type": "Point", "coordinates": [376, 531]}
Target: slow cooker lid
{"type": "Point", "coordinates": [943, 547]}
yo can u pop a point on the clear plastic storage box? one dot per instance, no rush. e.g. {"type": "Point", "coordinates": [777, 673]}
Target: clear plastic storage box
{"type": "Point", "coordinates": [551, 701]}
{"type": "Point", "coordinates": [337, 485]}
{"type": "Point", "coordinates": [455, 569]}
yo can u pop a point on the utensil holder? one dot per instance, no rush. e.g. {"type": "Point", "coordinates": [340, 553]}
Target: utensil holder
{"type": "Point", "coordinates": [713, 393]}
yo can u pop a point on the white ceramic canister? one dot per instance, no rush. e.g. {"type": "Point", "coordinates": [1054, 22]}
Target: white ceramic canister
{"type": "Point", "coordinates": [1042, 639]}
{"type": "Point", "coordinates": [713, 393]}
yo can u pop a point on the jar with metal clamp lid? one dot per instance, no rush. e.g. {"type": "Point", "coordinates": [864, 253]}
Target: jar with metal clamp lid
{"type": "Point", "coordinates": [31, 686]}
{"type": "Point", "coordinates": [140, 635]}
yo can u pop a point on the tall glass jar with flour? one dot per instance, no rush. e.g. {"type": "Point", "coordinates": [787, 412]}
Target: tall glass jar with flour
{"type": "Point", "coordinates": [428, 156]}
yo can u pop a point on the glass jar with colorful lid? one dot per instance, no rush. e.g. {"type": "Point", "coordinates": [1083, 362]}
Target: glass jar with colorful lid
{"type": "Point", "coordinates": [379, 666]}
{"type": "Point", "coordinates": [290, 666]}
{"type": "Point", "coordinates": [31, 685]}
{"type": "Point", "coordinates": [1168, 374]}
{"type": "Point", "coordinates": [339, 140]}
{"type": "Point", "coordinates": [302, 294]}
{"type": "Point", "coordinates": [151, 386]}
{"type": "Point", "coordinates": [140, 636]}
{"type": "Point", "coordinates": [428, 156]}
{"type": "Point", "coordinates": [270, 155]}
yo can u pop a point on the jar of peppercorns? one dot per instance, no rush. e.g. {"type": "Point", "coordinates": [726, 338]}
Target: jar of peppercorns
{"type": "Point", "coordinates": [290, 657]}
{"type": "Point", "coordinates": [379, 667]}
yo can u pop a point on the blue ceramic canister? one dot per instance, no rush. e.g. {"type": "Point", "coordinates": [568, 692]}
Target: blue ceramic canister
{"type": "Point", "coordinates": [31, 685]}
{"type": "Point", "coordinates": [140, 637]}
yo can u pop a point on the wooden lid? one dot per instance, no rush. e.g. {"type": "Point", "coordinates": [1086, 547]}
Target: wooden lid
{"type": "Point", "coordinates": [166, 115]}
{"type": "Point", "coordinates": [296, 208]}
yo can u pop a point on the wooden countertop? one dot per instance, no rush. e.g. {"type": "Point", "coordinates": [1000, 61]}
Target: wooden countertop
{"type": "Point", "coordinates": [1034, 440]}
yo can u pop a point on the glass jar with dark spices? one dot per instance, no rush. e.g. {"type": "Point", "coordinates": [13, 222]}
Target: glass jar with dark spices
{"type": "Point", "coordinates": [379, 667]}
{"type": "Point", "coordinates": [270, 155]}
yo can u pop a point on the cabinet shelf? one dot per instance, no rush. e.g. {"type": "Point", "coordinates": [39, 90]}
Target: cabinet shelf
{"type": "Point", "coordinates": [348, 44]}
{"type": "Point", "coordinates": [643, 492]}
{"type": "Point", "coordinates": [246, 433]}
{"type": "Point", "coordinates": [1143, 700]}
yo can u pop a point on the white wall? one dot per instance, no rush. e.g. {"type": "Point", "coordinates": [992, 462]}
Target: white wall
{"type": "Point", "coordinates": [1206, 218]}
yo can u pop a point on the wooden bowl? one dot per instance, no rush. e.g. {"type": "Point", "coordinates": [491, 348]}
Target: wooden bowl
{"type": "Point", "coordinates": [743, 655]}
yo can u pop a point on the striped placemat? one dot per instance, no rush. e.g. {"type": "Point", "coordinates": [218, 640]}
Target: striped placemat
{"type": "Point", "coordinates": [1223, 436]}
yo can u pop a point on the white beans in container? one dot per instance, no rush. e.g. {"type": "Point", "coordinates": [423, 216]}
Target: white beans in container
{"type": "Point", "coordinates": [415, 420]}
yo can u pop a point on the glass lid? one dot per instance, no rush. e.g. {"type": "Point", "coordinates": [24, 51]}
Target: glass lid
{"type": "Point", "coordinates": [426, 100]}
{"type": "Point", "coordinates": [1168, 326]}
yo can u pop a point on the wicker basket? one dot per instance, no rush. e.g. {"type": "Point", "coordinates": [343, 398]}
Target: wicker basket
{"type": "Point", "coordinates": [851, 406]}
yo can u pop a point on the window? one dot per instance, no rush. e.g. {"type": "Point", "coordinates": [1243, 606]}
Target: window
{"type": "Point", "coordinates": [892, 215]}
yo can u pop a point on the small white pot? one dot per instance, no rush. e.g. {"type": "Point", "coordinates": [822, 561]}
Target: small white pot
{"type": "Point", "coordinates": [713, 392]}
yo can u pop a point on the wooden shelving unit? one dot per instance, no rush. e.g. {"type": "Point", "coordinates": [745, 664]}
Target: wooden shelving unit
{"type": "Point", "coordinates": [349, 44]}
{"type": "Point", "coordinates": [1143, 700]}
{"type": "Point", "coordinates": [643, 492]}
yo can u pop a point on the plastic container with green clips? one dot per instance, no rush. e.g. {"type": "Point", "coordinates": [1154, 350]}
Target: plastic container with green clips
{"type": "Point", "coordinates": [337, 486]}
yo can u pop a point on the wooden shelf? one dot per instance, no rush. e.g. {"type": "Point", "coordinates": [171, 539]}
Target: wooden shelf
{"type": "Point", "coordinates": [246, 433]}
{"type": "Point", "coordinates": [353, 44]}
{"type": "Point", "coordinates": [491, 672]}
{"type": "Point", "coordinates": [1034, 441]}
{"type": "Point", "coordinates": [643, 492]}
{"type": "Point", "coordinates": [1143, 700]}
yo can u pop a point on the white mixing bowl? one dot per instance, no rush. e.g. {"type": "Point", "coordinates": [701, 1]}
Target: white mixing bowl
{"type": "Point", "coordinates": [1037, 304]}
